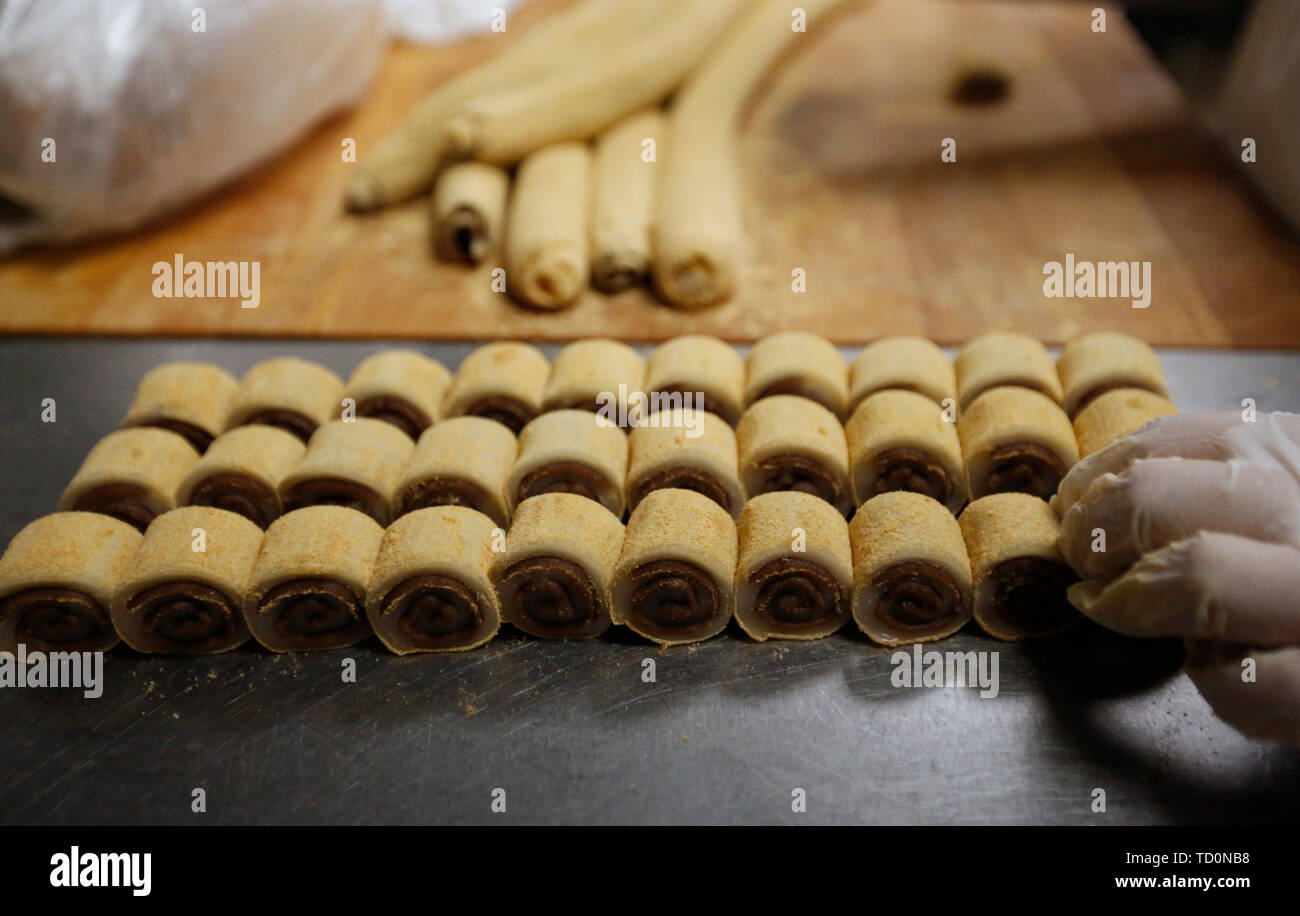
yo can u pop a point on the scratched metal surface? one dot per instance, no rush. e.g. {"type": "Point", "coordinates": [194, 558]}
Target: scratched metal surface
{"type": "Point", "coordinates": [571, 731]}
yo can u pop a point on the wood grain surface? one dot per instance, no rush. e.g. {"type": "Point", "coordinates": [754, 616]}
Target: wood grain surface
{"type": "Point", "coordinates": [1092, 153]}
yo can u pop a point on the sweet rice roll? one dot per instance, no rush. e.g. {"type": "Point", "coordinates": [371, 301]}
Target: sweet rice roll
{"type": "Point", "coordinates": [1004, 358]}
{"type": "Point", "coordinates": [594, 374]}
{"type": "Point", "coordinates": [674, 582]}
{"type": "Point", "coordinates": [909, 363]}
{"type": "Point", "coordinates": [686, 450]}
{"type": "Point", "coordinates": [463, 461]}
{"type": "Point", "coordinates": [242, 471]}
{"type": "Point", "coordinates": [791, 443]}
{"type": "Point", "coordinates": [1093, 364]}
{"type": "Point", "coordinates": [570, 451]}
{"type": "Point", "coordinates": [701, 367]}
{"type": "Point", "coordinates": [794, 577]}
{"type": "Point", "coordinates": [1020, 576]}
{"type": "Point", "coordinates": [1014, 440]}
{"type": "Point", "coordinates": [294, 394]}
{"type": "Point", "coordinates": [554, 577]}
{"type": "Point", "coordinates": [911, 575]}
{"type": "Point", "coordinates": [401, 387]}
{"type": "Point", "coordinates": [57, 579]}
{"type": "Point", "coordinates": [308, 587]}
{"type": "Point", "coordinates": [189, 398]}
{"type": "Point", "coordinates": [178, 599]}
{"type": "Point", "coordinates": [798, 363]}
{"type": "Point", "coordinates": [501, 381]}
{"type": "Point", "coordinates": [353, 463]}
{"type": "Point", "coordinates": [1117, 413]}
{"type": "Point", "coordinates": [900, 440]}
{"type": "Point", "coordinates": [131, 474]}
{"type": "Point", "coordinates": [432, 589]}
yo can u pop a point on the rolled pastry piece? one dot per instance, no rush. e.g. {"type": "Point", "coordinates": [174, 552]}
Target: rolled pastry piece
{"type": "Point", "coordinates": [192, 399]}
{"type": "Point", "coordinates": [469, 209]}
{"type": "Point", "coordinates": [1014, 440]}
{"type": "Point", "coordinates": [401, 387]}
{"type": "Point", "coordinates": [464, 461]}
{"type": "Point", "coordinates": [57, 578]}
{"type": "Point", "coordinates": [1020, 576]}
{"type": "Point", "coordinates": [622, 198]}
{"type": "Point", "coordinates": [595, 374]}
{"type": "Point", "coordinates": [674, 582]}
{"type": "Point", "coordinates": [501, 381]}
{"type": "Point", "coordinates": [547, 238]}
{"type": "Point", "coordinates": [570, 451]}
{"type": "Point", "coordinates": [1117, 413]}
{"type": "Point", "coordinates": [131, 474]}
{"type": "Point", "coordinates": [308, 587]}
{"type": "Point", "coordinates": [242, 473]}
{"type": "Point", "coordinates": [795, 362]}
{"type": "Point", "coordinates": [1093, 364]}
{"type": "Point", "coordinates": [554, 577]}
{"type": "Point", "coordinates": [293, 394]}
{"type": "Point", "coordinates": [349, 463]}
{"type": "Point", "coordinates": [794, 577]}
{"type": "Point", "coordinates": [900, 440]}
{"type": "Point", "coordinates": [685, 450]}
{"type": "Point", "coordinates": [185, 588]}
{"type": "Point", "coordinates": [792, 443]}
{"type": "Point", "coordinates": [431, 590]}
{"type": "Point", "coordinates": [911, 575]}
{"type": "Point", "coordinates": [709, 370]}
{"type": "Point", "coordinates": [909, 363]}
{"type": "Point", "coordinates": [1004, 358]}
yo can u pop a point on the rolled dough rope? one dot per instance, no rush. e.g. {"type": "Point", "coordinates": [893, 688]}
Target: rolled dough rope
{"type": "Point", "coordinates": [623, 191]}
{"type": "Point", "coordinates": [469, 207]}
{"type": "Point", "coordinates": [546, 236]}
{"type": "Point", "coordinates": [698, 228]}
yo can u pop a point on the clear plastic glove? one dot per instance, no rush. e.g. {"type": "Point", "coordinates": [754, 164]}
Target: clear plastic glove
{"type": "Point", "coordinates": [1191, 527]}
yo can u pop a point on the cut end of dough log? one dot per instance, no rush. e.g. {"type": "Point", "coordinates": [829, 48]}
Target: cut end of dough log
{"type": "Point", "coordinates": [612, 273]}
{"type": "Point", "coordinates": [463, 236]}
{"type": "Point", "coordinates": [552, 280]}
{"type": "Point", "coordinates": [694, 282]}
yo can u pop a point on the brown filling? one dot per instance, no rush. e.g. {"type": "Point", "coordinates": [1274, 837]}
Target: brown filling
{"type": "Point", "coordinates": [465, 235]}
{"type": "Point", "coordinates": [564, 477]}
{"type": "Point", "coordinates": [1024, 467]}
{"type": "Point", "coordinates": [1030, 593]}
{"type": "Point", "coordinates": [683, 479]}
{"type": "Point", "coordinates": [800, 474]}
{"type": "Point", "coordinates": [793, 384]}
{"type": "Point", "coordinates": [701, 400]}
{"type": "Point", "coordinates": [315, 613]}
{"type": "Point", "coordinates": [609, 275]}
{"type": "Point", "coordinates": [335, 491]}
{"type": "Point", "coordinates": [510, 412]}
{"type": "Point", "coordinates": [54, 617]}
{"type": "Point", "coordinates": [434, 611]}
{"type": "Point", "coordinates": [674, 597]}
{"type": "Point", "coordinates": [185, 616]}
{"type": "Point", "coordinates": [445, 491]}
{"type": "Point", "coordinates": [125, 502]}
{"type": "Point", "coordinates": [237, 493]}
{"type": "Point", "coordinates": [912, 471]}
{"type": "Point", "coordinates": [395, 411]}
{"type": "Point", "coordinates": [796, 594]}
{"type": "Point", "coordinates": [290, 421]}
{"type": "Point", "coordinates": [917, 595]}
{"type": "Point", "coordinates": [196, 436]}
{"type": "Point", "coordinates": [555, 596]}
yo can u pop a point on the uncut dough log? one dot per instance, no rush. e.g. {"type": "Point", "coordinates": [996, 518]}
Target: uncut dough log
{"type": "Point", "coordinates": [786, 593]}
{"type": "Point", "coordinates": [675, 574]}
{"type": "Point", "coordinates": [909, 363]}
{"type": "Point", "coordinates": [699, 230]}
{"type": "Point", "coordinates": [587, 369]}
{"type": "Point", "coordinates": [354, 464]}
{"type": "Point", "coordinates": [570, 451]}
{"type": "Point", "coordinates": [294, 394]}
{"type": "Point", "coordinates": [501, 381]}
{"type": "Point", "coordinates": [701, 366]}
{"type": "Point", "coordinates": [796, 362]}
{"type": "Point", "coordinates": [1093, 364]}
{"type": "Point", "coordinates": [431, 590]}
{"type": "Point", "coordinates": [1117, 413]}
{"type": "Point", "coordinates": [131, 474]}
{"type": "Point", "coordinates": [242, 473]}
{"type": "Point", "coordinates": [911, 576]}
{"type": "Point", "coordinates": [192, 399]}
{"type": "Point", "coordinates": [308, 586]}
{"type": "Point", "coordinates": [900, 440]}
{"type": "Point", "coordinates": [792, 443]}
{"type": "Point", "coordinates": [178, 600]}
{"type": "Point", "coordinates": [57, 578]}
{"type": "Point", "coordinates": [463, 461]}
{"type": "Point", "coordinates": [1004, 358]}
{"type": "Point", "coordinates": [1015, 440]}
{"type": "Point", "coordinates": [554, 577]}
{"type": "Point", "coordinates": [685, 450]}
{"type": "Point", "coordinates": [469, 211]}
{"type": "Point", "coordinates": [547, 238]}
{"type": "Point", "coordinates": [401, 387]}
{"type": "Point", "coordinates": [622, 199]}
{"type": "Point", "coordinates": [1020, 576]}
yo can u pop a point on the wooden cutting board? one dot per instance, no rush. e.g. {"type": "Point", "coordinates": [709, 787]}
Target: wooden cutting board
{"type": "Point", "coordinates": [1092, 153]}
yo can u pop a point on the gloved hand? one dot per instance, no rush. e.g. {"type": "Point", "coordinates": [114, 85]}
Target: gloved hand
{"type": "Point", "coordinates": [1191, 527]}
